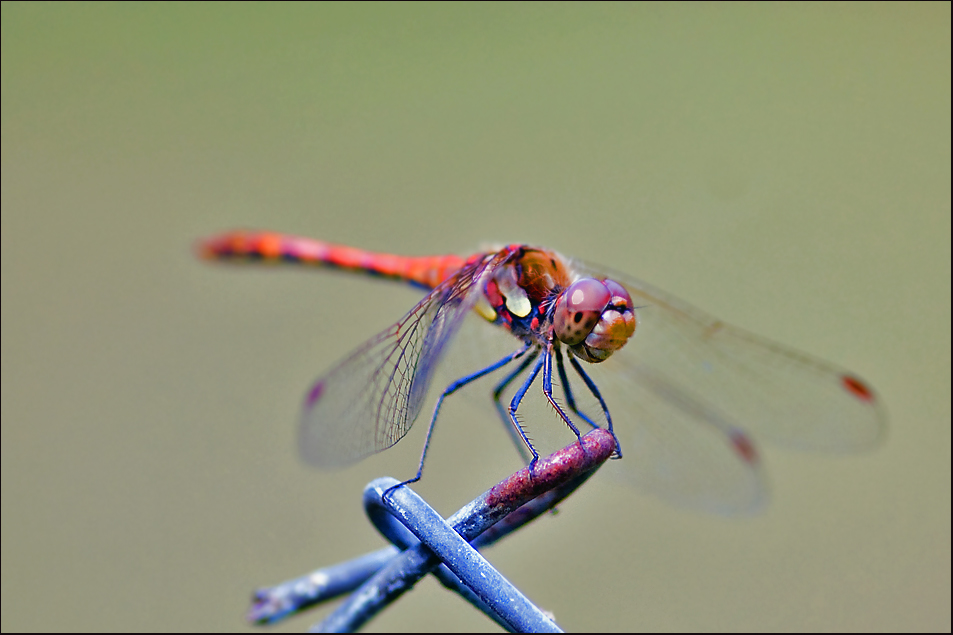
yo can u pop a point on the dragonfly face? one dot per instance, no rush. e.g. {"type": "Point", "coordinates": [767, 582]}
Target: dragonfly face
{"type": "Point", "coordinates": [594, 318]}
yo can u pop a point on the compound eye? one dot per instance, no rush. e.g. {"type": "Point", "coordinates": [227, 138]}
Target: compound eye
{"type": "Point", "coordinates": [621, 299]}
{"type": "Point", "coordinates": [579, 308]}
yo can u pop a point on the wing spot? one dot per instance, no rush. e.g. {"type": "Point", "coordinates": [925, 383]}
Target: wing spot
{"type": "Point", "coordinates": [857, 388]}
{"type": "Point", "coordinates": [744, 447]}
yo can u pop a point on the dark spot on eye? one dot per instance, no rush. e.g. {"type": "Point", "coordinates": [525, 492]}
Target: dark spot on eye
{"type": "Point", "coordinates": [576, 317]}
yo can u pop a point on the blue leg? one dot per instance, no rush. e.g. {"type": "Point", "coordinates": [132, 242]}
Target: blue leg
{"type": "Point", "coordinates": [548, 391]}
{"type": "Point", "coordinates": [518, 441]}
{"type": "Point", "coordinates": [567, 389]}
{"type": "Point", "coordinates": [452, 388]}
{"type": "Point", "coordinates": [595, 392]}
{"type": "Point", "coordinates": [515, 403]}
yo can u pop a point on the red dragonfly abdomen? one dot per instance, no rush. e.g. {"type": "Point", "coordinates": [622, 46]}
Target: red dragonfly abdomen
{"type": "Point", "coordinates": [423, 271]}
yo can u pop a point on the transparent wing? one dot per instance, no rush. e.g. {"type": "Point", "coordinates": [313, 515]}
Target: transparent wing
{"type": "Point", "coordinates": [369, 401]}
{"type": "Point", "coordinates": [688, 389]}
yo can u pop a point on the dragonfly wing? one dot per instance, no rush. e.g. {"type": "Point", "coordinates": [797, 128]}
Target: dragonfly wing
{"type": "Point", "coordinates": [369, 401]}
{"type": "Point", "coordinates": [688, 389]}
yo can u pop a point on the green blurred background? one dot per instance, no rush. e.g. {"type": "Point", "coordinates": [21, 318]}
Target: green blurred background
{"type": "Point", "coordinates": [786, 167]}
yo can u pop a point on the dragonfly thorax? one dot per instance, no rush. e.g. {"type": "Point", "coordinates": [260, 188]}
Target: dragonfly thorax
{"type": "Point", "coordinates": [531, 295]}
{"type": "Point", "coordinates": [519, 295]}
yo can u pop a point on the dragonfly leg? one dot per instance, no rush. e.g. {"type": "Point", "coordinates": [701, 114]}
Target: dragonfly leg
{"type": "Point", "coordinates": [452, 388]}
{"type": "Point", "coordinates": [518, 440]}
{"type": "Point", "coordinates": [567, 389]}
{"type": "Point", "coordinates": [515, 404]}
{"type": "Point", "coordinates": [548, 391]}
{"type": "Point", "coordinates": [595, 393]}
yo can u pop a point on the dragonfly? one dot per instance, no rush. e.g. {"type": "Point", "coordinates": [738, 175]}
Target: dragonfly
{"type": "Point", "coordinates": [685, 395]}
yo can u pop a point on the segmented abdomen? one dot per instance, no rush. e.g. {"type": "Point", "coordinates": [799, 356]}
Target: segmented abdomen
{"type": "Point", "coordinates": [423, 271]}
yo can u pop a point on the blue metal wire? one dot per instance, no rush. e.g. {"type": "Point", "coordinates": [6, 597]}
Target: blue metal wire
{"type": "Point", "coordinates": [283, 600]}
{"type": "Point", "coordinates": [499, 595]}
{"type": "Point", "coordinates": [426, 543]}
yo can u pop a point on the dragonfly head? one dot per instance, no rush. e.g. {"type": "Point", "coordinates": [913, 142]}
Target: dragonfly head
{"type": "Point", "coordinates": [594, 318]}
